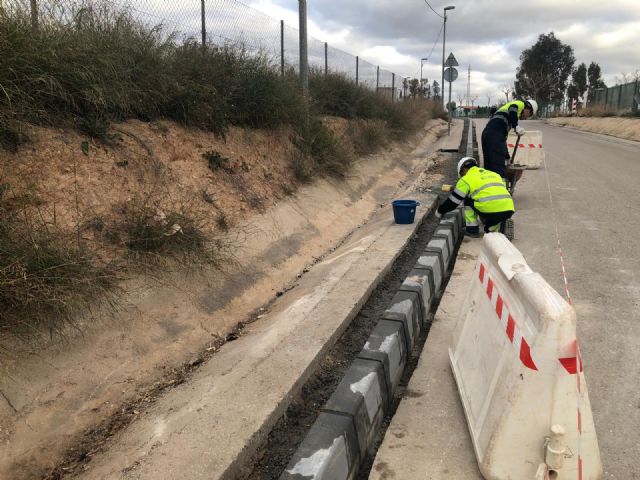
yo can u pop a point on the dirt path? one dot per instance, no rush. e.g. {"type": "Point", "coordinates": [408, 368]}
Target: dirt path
{"type": "Point", "coordinates": [92, 383]}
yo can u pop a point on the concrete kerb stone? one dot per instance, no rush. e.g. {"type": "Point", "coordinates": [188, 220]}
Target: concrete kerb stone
{"type": "Point", "coordinates": [387, 344]}
{"type": "Point", "coordinates": [453, 223]}
{"type": "Point", "coordinates": [432, 261]}
{"type": "Point", "coordinates": [440, 244]}
{"type": "Point", "coordinates": [363, 395]}
{"type": "Point", "coordinates": [330, 451]}
{"type": "Point", "coordinates": [446, 231]}
{"type": "Point", "coordinates": [405, 307]}
{"type": "Point", "coordinates": [421, 282]}
{"type": "Point", "coordinates": [458, 215]}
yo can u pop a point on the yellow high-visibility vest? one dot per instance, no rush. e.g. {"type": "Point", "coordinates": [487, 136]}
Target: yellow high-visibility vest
{"type": "Point", "coordinates": [487, 190]}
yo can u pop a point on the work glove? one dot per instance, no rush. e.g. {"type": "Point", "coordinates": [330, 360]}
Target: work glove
{"type": "Point", "coordinates": [438, 214]}
{"type": "Point", "coordinates": [520, 131]}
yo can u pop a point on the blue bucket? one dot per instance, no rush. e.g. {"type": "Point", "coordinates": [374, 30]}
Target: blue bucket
{"type": "Point", "coordinates": [404, 211]}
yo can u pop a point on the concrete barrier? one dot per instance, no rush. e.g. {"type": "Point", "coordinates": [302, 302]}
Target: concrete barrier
{"type": "Point", "coordinates": [530, 152]}
{"type": "Point", "coordinates": [519, 373]}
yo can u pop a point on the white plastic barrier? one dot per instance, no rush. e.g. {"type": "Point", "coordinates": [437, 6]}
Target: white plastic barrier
{"type": "Point", "coordinates": [514, 356]}
{"type": "Point", "coordinates": [530, 152]}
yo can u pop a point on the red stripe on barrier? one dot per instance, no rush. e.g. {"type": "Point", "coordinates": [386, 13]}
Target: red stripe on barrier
{"type": "Point", "coordinates": [521, 145]}
{"type": "Point", "coordinates": [569, 364]}
{"type": "Point", "coordinates": [482, 270]}
{"type": "Point", "coordinates": [531, 145]}
{"type": "Point", "coordinates": [511, 328]}
{"type": "Point", "coordinates": [499, 306]}
{"type": "Point", "coordinates": [539, 145]}
{"type": "Point", "coordinates": [579, 468]}
{"type": "Point", "coordinates": [525, 355]}
{"type": "Point", "coordinates": [511, 145]}
{"type": "Point", "coordinates": [490, 288]}
{"type": "Point", "coordinates": [579, 422]}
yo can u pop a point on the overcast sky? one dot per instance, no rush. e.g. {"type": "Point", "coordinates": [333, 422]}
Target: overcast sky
{"type": "Point", "coordinates": [489, 35]}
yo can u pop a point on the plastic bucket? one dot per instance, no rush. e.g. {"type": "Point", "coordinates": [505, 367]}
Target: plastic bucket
{"type": "Point", "coordinates": [404, 211]}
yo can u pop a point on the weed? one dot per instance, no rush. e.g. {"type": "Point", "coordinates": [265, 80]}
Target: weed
{"type": "Point", "coordinates": [368, 136]}
{"type": "Point", "coordinates": [215, 161]}
{"type": "Point", "coordinates": [10, 138]}
{"type": "Point", "coordinates": [47, 278]}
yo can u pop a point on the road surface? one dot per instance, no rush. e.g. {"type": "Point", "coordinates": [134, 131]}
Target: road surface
{"type": "Point", "coordinates": [579, 203]}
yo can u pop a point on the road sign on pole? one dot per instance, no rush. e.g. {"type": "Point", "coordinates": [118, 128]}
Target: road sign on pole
{"type": "Point", "coordinates": [450, 74]}
{"type": "Point", "coordinates": [451, 61]}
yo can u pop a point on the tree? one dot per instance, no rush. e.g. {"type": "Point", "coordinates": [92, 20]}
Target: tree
{"type": "Point", "coordinates": [544, 70]}
{"type": "Point", "coordinates": [435, 88]}
{"type": "Point", "coordinates": [414, 87]}
{"type": "Point", "coordinates": [594, 76]}
{"type": "Point", "coordinates": [578, 85]}
{"type": "Point", "coordinates": [507, 90]}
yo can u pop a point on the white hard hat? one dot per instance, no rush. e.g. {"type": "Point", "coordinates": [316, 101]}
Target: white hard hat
{"type": "Point", "coordinates": [534, 105]}
{"type": "Point", "coordinates": [467, 162]}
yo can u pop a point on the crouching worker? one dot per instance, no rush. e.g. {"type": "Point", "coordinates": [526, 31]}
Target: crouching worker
{"type": "Point", "coordinates": [484, 195]}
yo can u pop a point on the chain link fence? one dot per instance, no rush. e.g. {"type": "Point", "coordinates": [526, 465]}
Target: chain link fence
{"type": "Point", "coordinates": [224, 22]}
{"type": "Point", "coordinates": [620, 98]}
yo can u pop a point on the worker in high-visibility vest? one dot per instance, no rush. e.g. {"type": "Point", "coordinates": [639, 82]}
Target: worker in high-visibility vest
{"type": "Point", "coordinates": [494, 136]}
{"type": "Point", "coordinates": [484, 195]}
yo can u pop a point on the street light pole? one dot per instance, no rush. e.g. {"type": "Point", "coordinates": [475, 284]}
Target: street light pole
{"type": "Point", "coordinates": [444, 39]}
{"type": "Point", "coordinates": [422, 60]}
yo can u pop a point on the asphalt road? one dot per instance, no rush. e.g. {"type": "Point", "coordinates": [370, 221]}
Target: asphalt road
{"type": "Point", "coordinates": [584, 196]}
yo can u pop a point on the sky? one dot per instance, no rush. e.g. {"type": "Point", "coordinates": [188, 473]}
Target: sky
{"type": "Point", "coordinates": [487, 35]}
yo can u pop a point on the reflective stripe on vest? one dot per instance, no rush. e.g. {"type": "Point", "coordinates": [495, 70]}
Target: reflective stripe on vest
{"type": "Point", "coordinates": [488, 191]}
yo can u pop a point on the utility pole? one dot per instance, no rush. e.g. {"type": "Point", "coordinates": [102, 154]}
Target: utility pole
{"type": "Point", "coordinates": [304, 59]}
{"type": "Point", "coordinates": [34, 15]}
{"type": "Point", "coordinates": [468, 86]}
{"type": "Point", "coordinates": [444, 39]}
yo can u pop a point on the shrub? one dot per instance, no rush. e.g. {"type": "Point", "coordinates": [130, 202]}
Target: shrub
{"type": "Point", "coordinates": [47, 276]}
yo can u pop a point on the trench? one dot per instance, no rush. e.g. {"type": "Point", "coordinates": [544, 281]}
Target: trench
{"type": "Point", "coordinates": [282, 442]}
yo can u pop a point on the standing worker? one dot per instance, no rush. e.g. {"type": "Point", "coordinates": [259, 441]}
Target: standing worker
{"type": "Point", "coordinates": [484, 194]}
{"type": "Point", "coordinates": [494, 135]}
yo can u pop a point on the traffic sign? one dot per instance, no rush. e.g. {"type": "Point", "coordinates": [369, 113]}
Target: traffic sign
{"type": "Point", "coordinates": [451, 61]}
{"type": "Point", "coordinates": [450, 74]}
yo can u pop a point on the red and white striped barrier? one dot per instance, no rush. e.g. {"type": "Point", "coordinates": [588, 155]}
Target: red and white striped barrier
{"type": "Point", "coordinates": [516, 362]}
{"type": "Point", "coordinates": [530, 152]}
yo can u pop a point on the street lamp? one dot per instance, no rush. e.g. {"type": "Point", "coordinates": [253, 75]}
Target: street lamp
{"type": "Point", "coordinates": [422, 60]}
{"type": "Point", "coordinates": [444, 38]}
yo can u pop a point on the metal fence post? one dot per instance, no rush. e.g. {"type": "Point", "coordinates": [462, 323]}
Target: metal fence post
{"type": "Point", "coordinates": [606, 97]}
{"type": "Point", "coordinates": [326, 59]}
{"type": "Point", "coordinates": [282, 47]}
{"type": "Point", "coordinates": [357, 68]}
{"type": "Point", "coordinates": [204, 23]}
{"type": "Point", "coordinates": [393, 86]}
{"type": "Point", "coordinates": [34, 15]}
{"type": "Point", "coordinates": [304, 59]}
{"type": "Point", "coordinates": [377, 78]}
{"type": "Point", "coordinates": [619, 96]}
{"type": "Point", "coordinates": [635, 100]}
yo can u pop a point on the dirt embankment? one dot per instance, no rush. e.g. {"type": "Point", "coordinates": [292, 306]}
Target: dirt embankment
{"type": "Point", "coordinates": [627, 128]}
{"type": "Point", "coordinates": [53, 392]}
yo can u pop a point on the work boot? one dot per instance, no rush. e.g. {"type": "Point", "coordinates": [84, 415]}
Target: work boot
{"type": "Point", "coordinates": [508, 228]}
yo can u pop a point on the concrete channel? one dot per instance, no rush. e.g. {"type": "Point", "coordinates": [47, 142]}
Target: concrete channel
{"type": "Point", "coordinates": [333, 428]}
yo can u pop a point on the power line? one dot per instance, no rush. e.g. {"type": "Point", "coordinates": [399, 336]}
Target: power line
{"type": "Point", "coordinates": [429, 5]}
{"type": "Point", "coordinates": [433, 47]}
